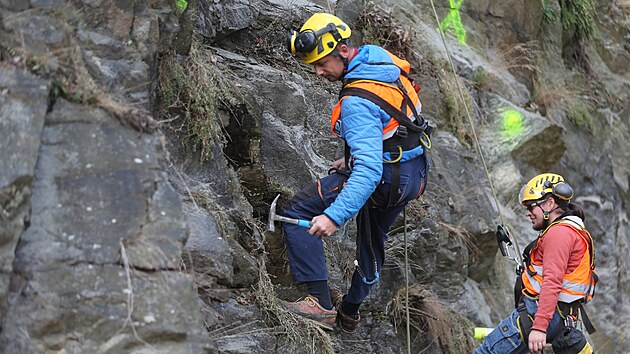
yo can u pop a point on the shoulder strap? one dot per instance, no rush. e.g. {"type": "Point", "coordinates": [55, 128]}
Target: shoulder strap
{"type": "Point", "coordinates": [422, 125]}
{"type": "Point", "coordinates": [528, 251]}
{"type": "Point", "coordinates": [564, 220]}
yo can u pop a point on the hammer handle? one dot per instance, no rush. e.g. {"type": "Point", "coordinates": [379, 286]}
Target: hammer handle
{"type": "Point", "coordinates": [297, 222]}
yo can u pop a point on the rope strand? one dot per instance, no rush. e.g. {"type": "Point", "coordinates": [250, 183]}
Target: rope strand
{"type": "Point", "coordinates": [406, 281]}
{"type": "Point", "coordinates": [474, 132]}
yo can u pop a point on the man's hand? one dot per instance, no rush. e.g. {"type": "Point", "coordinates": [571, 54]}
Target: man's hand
{"type": "Point", "coordinates": [339, 164]}
{"type": "Point", "coordinates": [322, 226]}
{"type": "Point", "coordinates": [537, 340]}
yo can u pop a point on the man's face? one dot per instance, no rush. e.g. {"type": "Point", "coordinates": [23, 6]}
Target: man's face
{"type": "Point", "coordinates": [329, 67]}
{"type": "Point", "coordinates": [534, 211]}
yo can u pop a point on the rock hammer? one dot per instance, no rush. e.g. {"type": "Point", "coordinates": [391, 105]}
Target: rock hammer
{"type": "Point", "coordinates": [275, 217]}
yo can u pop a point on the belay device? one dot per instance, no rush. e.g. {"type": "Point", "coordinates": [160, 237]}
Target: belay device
{"type": "Point", "coordinates": [504, 239]}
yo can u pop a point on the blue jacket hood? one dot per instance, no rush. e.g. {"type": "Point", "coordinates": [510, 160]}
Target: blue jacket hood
{"type": "Point", "coordinates": [365, 65]}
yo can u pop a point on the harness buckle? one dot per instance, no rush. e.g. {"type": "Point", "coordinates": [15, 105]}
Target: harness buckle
{"type": "Point", "coordinates": [401, 131]}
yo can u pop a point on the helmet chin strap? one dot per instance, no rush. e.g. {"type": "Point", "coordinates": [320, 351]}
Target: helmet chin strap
{"type": "Point", "coordinates": [546, 213]}
{"type": "Point", "coordinates": [345, 64]}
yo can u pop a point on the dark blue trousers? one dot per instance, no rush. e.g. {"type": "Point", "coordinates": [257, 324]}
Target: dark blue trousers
{"type": "Point", "coordinates": [506, 337]}
{"type": "Point", "coordinates": [306, 252]}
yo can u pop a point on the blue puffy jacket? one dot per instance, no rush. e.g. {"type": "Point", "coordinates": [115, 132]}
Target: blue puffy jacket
{"type": "Point", "coordinates": [361, 124]}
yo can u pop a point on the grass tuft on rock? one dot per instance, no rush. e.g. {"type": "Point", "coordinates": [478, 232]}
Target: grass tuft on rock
{"type": "Point", "coordinates": [457, 121]}
{"type": "Point", "coordinates": [303, 335]}
{"type": "Point", "coordinates": [192, 93]}
{"type": "Point", "coordinates": [379, 28]}
{"type": "Point", "coordinates": [561, 102]}
{"type": "Point", "coordinates": [432, 322]}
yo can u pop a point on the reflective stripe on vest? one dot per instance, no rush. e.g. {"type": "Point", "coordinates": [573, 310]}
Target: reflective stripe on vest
{"type": "Point", "coordinates": [576, 285]}
{"type": "Point", "coordinates": [387, 91]}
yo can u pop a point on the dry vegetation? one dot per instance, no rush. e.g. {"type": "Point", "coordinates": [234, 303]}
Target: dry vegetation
{"type": "Point", "coordinates": [379, 28]}
{"type": "Point", "coordinates": [395, 255]}
{"type": "Point", "coordinates": [191, 92]}
{"type": "Point", "coordinates": [303, 335]}
{"type": "Point", "coordinates": [431, 321]}
{"type": "Point", "coordinates": [560, 101]}
{"type": "Point", "coordinates": [460, 234]}
{"type": "Point", "coordinates": [519, 59]}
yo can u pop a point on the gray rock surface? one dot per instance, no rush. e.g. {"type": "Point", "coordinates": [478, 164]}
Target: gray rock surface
{"type": "Point", "coordinates": [91, 231]}
{"type": "Point", "coordinates": [98, 193]}
{"type": "Point", "coordinates": [23, 104]}
{"type": "Point", "coordinates": [82, 195]}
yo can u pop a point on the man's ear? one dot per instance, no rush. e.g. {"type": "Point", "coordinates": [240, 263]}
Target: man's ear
{"type": "Point", "coordinates": [343, 50]}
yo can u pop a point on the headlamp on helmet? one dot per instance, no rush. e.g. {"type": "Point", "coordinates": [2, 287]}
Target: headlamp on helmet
{"type": "Point", "coordinates": [543, 184]}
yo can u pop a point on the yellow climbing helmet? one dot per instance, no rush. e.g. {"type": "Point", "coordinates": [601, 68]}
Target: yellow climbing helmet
{"type": "Point", "coordinates": [318, 37]}
{"type": "Point", "coordinates": [544, 183]}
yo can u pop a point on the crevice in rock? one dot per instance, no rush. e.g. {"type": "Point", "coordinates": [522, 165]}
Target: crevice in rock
{"type": "Point", "coordinates": [136, 6]}
{"type": "Point", "coordinates": [54, 93]}
{"type": "Point", "coordinates": [243, 154]}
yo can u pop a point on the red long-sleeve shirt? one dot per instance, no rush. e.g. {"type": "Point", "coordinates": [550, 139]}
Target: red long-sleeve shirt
{"type": "Point", "coordinates": [561, 250]}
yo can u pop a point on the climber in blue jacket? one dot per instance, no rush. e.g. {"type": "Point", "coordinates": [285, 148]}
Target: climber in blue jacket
{"type": "Point", "coordinates": [384, 167]}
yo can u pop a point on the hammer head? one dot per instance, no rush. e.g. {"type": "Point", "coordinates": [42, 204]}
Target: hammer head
{"type": "Point", "coordinates": [272, 214]}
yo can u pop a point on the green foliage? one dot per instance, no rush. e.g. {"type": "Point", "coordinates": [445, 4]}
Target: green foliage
{"type": "Point", "coordinates": [561, 102]}
{"type": "Point", "coordinates": [191, 93]}
{"type": "Point", "coordinates": [482, 78]}
{"type": "Point", "coordinates": [579, 13]}
{"type": "Point", "coordinates": [549, 14]}
{"type": "Point", "coordinates": [579, 16]}
{"type": "Point", "coordinates": [6, 51]}
{"type": "Point", "coordinates": [578, 113]}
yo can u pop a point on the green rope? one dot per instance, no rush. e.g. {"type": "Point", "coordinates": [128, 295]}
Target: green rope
{"type": "Point", "coordinates": [454, 20]}
{"type": "Point", "coordinates": [181, 5]}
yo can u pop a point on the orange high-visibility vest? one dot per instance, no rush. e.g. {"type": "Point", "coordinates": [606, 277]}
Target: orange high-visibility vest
{"type": "Point", "coordinates": [388, 92]}
{"type": "Point", "coordinates": [577, 285]}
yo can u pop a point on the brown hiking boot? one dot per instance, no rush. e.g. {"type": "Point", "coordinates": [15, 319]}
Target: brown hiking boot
{"type": "Point", "coordinates": [345, 322]}
{"type": "Point", "coordinates": [311, 309]}
{"type": "Point", "coordinates": [336, 296]}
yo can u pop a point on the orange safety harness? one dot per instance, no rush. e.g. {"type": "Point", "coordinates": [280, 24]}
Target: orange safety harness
{"type": "Point", "coordinates": [407, 128]}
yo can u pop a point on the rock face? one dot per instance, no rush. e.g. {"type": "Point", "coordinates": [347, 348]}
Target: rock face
{"type": "Point", "coordinates": [115, 240]}
{"type": "Point", "coordinates": [91, 230]}
{"type": "Point", "coordinates": [452, 235]}
{"type": "Point", "coordinates": [23, 111]}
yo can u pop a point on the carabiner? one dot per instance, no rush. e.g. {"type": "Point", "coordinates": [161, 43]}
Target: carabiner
{"type": "Point", "coordinates": [400, 153]}
{"type": "Point", "coordinates": [427, 142]}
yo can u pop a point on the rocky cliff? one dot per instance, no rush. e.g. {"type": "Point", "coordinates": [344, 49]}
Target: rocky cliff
{"type": "Point", "coordinates": [143, 143]}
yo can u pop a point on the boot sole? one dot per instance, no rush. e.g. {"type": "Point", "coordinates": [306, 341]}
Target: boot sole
{"type": "Point", "coordinates": [328, 327]}
{"type": "Point", "coordinates": [345, 330]}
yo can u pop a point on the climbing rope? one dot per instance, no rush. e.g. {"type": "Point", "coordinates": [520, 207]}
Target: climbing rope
{"type": "Point", "coordinates": [485, 168]}
{"type": "Point", "coordinates": [472, 127]}
{"type": "Point", "coordinates": [406, 281]}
